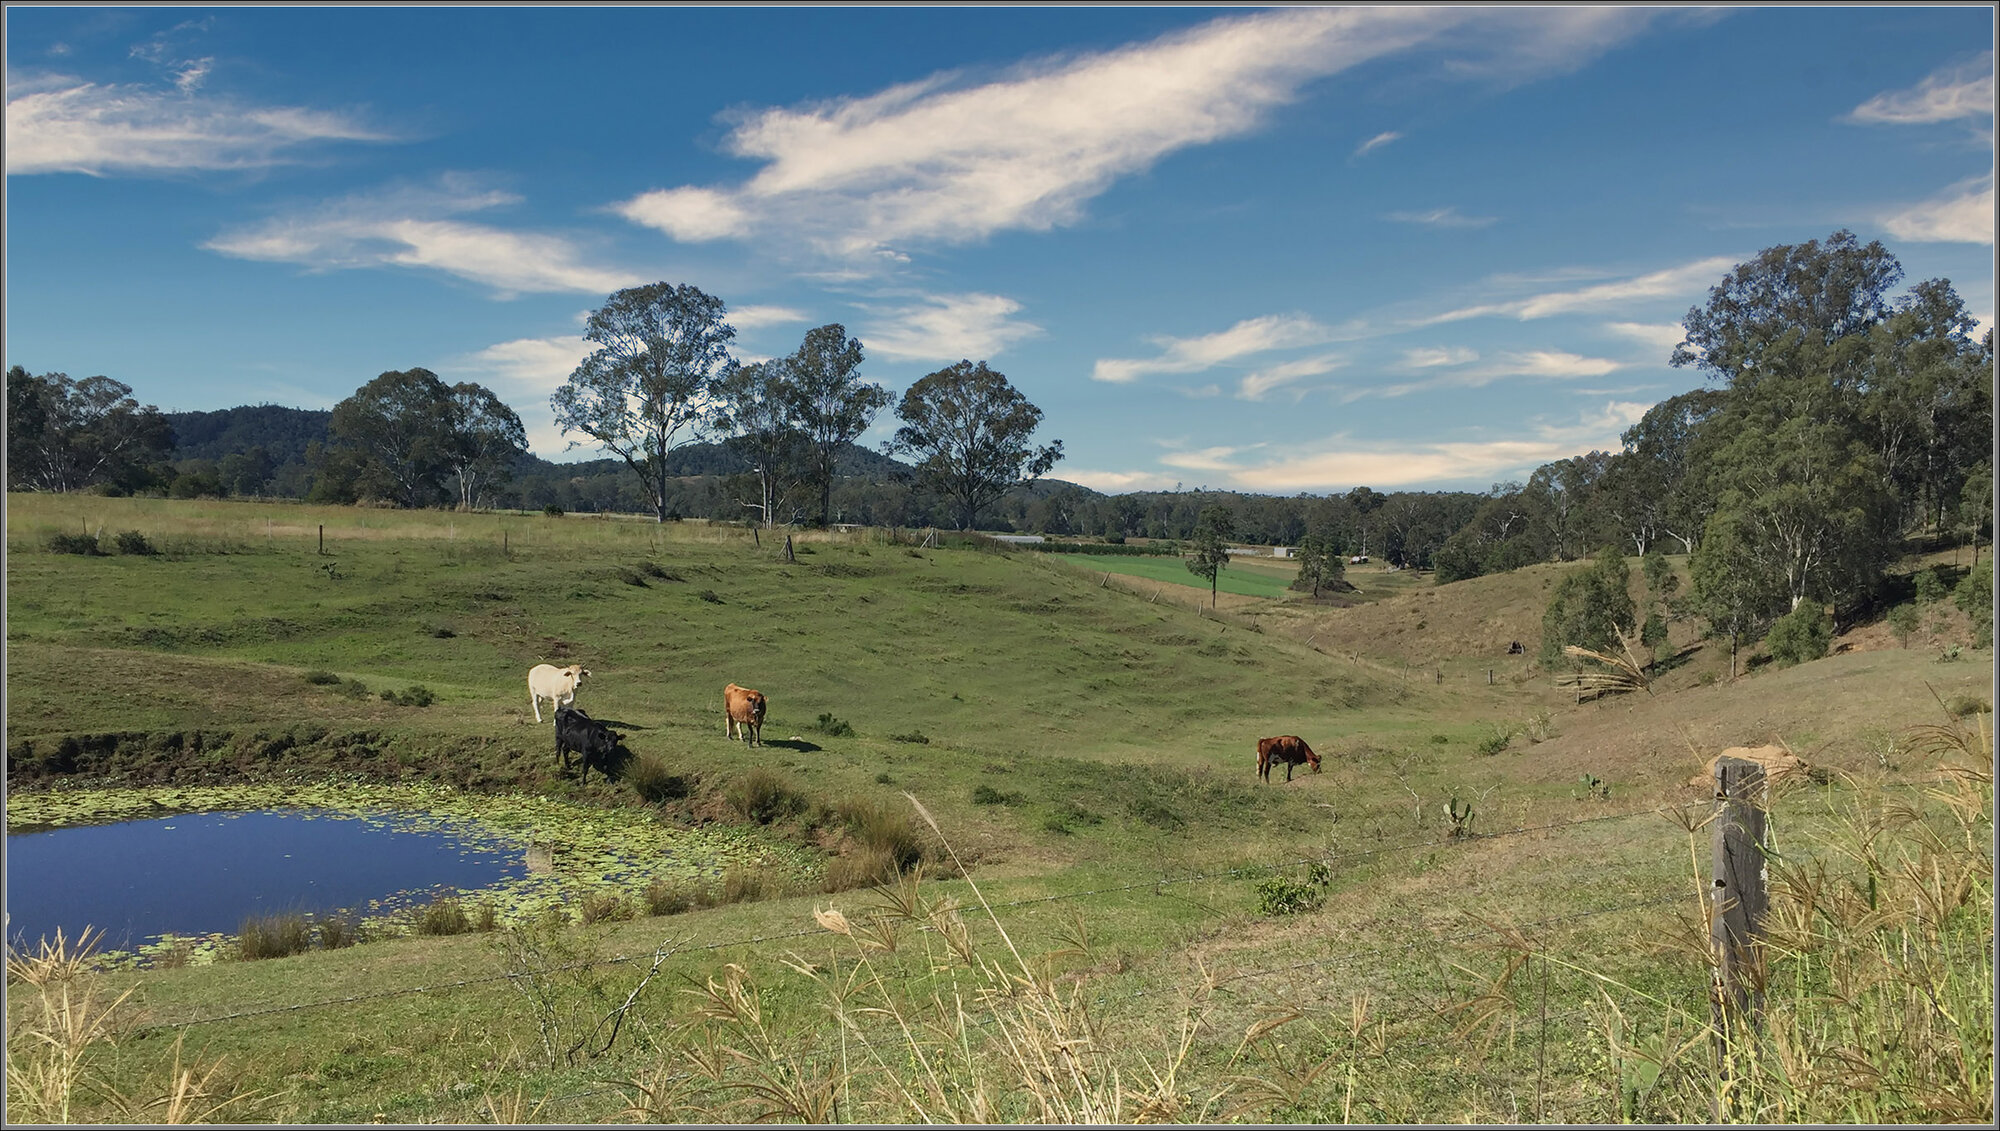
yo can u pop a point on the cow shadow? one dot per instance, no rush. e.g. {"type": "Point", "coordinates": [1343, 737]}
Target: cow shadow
{"type": "Point", "coordinates": [798, 744]}
{"type": "Point", "coordinates": [617, 724]}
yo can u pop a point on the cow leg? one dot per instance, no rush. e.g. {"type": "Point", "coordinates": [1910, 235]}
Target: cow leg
{"type": "Point", "coordinates": [535, 702]}
{"type": "Point", "coordinates": [1288, 770]}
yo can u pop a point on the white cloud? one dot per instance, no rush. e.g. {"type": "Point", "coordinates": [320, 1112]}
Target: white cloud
{"type": "Point", "coordinates": [1192, 355]}
{"type": "Point", "coordinates": [1661, 337]}
{"type": "Point", "coordinates": [1964, 215]}
{"type": "Point", "coordinates": [1377, 142]}
{"type": "Point", "coordinates": [1963, 91]}
{"type": "Point", "coordinates": [1555, 365]}
{"type": "Point", "coordinates": [948, 328]}
{"type": "Point", "coordinates": [758, 317]}
{"type": "Point", "coordinates": [1687, 278]}
{"type": "Point", "coordinates": [1114, 482]}
{"type": "Point", "coordinates": [949, 159]}
{"type": "Point", "coordinates": [1390, 465]}
{"type": "Point", "coordinates": [1207, 459]}
{"type": "Point", "coordinates": [524, 373]}
{"type": "Point", "coordinates": [410, 228]}
{"type": "Point", "coordinates": [1442, 218]}
{"type": "Point", "coordinates": [59, 124]}
{"type": "Point", "coordinates": [1433, 356]}
{"type": "Point", "coordinates": [1257, 384]}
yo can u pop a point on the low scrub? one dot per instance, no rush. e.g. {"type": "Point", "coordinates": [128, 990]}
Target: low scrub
{"type": "Point", "coordinates": [763, 795]}
{"type": "Point", "coordinates": [1282, 895]}
{"type": "Point", "coordinates": [135, 543]}
{"type": "Point", "coordinates": [85, 544]}
{"type": "Point", "coordinates": [273, 936]}
{"type": "Point", "coordinates": [416, 695]}
{"type": "Point", "coordinates": [654, 781]}
{"type": "Point", "coordinates": [443, 916]}
{"type": "Point", "coordinates": [828, 725]}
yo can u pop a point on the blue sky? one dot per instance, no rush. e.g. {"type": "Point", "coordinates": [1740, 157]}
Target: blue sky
{"type": "Point", "coordinates": [1274, 250]}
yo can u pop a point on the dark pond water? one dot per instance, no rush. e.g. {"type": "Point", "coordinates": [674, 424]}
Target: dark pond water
{"type": "Point", "coordinates": [198, 873]}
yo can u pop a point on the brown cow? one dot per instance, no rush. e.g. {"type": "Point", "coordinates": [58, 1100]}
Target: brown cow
{"type": "Point", "coordinates": [1289, 749]}
{"type": "Point", "coordinates": [743, 714]}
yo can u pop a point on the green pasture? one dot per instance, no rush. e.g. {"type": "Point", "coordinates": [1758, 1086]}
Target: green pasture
{"type": "Point", "coordinates": [1244, 580]}
{"type": "Point", "coordinates": [1086, 757]}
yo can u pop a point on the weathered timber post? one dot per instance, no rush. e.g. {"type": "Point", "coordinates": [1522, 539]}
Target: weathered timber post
{"type": "Point", "coordinates": [788, 548]}
{"type": "Point", "coordinates": [1739, 902]}
{"type": "Point", "coordinates": [322, 539]}
{"type": "Point", "coordinates": [1489, 677]}
{"type": "Point", "coordinates": [756, 539]}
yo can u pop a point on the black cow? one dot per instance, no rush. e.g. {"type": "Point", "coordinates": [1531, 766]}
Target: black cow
{"type": "Point", "coordinates": [578, 733]}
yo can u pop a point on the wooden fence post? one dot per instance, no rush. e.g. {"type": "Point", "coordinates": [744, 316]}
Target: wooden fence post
{"type": "Point", "coordinates": [322, 539]}
{"type": "Point", "coordinates": [788, 548]}
{"type": "Point", "coordinates": [1739, 898]}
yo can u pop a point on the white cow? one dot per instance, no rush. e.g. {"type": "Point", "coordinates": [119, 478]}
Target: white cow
{"type": "Point", "coordinates": [557, 685]}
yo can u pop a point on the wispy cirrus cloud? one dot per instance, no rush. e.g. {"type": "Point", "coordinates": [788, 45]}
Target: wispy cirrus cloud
{"type": "Point", "coordinates": [1377, 142]}
{"type": "Point", "coordinates": [1344, 463]}
{"type": "Point", "coordinates": [1192, 355]}
{"type": "Point", "coordinates": [1660, 337]}
{"type": "Point", "coordinates": [758, 317]}
{"type": "Point", "coordinates": [1692, 277]}
{"type": "Point", "coordinates": [525, 372]}
{"type": "Point", "coordinates": [1449, 217]}
{"type": "Point", "coordinates": [1964, 214]}
{"type": "Point", "coordinates": [1256, 385]}
{"type": "Point", "coordinates": [947, 328]}
{"type": "Point", "coordinates": [417, 227]}
{"type": "Point", "coordinates": [63, 124]}
{"type": "Point", "coordinates": [950, 159]}
{"type": "Point", "coordinates": [1949, 93]}
{"type": "Point", "coordinates": [1544, 364]}
{"type": "Point", "coordinates": [1430, 357]}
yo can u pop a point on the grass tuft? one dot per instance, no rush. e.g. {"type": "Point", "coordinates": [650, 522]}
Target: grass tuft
{"type": "Point", "coordinates": [274, 936]}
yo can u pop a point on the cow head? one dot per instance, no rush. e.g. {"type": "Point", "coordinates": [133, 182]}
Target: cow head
{"type": "Point", "coordinates": [1312, 758]}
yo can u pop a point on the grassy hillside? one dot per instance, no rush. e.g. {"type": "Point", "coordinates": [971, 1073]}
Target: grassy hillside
{"type": "Point", "coordinates": [1085, 753]}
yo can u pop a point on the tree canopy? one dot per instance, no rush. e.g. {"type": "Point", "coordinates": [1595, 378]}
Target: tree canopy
{"type": "Point", "coordinates": [652, 382]}
{"type": "Point", "coordinates": [971, 432]}
{"type": "Point", "coordinates": [830, 404]}
{"type": "Point", "coordinates": [64, 435]}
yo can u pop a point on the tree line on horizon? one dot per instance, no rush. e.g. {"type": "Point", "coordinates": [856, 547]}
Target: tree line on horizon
{"type": "Point", "coordinates": [1838, 420]}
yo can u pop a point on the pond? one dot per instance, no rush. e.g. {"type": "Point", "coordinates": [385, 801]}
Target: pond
{"type": "Point", "coordinates": [194, 874]}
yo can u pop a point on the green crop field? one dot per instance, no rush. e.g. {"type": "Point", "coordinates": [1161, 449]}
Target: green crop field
{"type": "Point", "coordinates": [1004, 855]}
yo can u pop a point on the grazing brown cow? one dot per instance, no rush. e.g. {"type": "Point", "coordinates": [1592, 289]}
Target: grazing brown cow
{"type": "Point", "coordinates": [1289, 749]}
{"type": "Point", "coordinates": [743, 714]}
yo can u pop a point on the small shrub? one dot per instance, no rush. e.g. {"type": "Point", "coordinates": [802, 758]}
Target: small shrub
{"type": "Point", "coordinates": [748, 885]}
{"type": "Point", "coordinates": [1595, 786]}
{"type": "Point", "coordinates": [74, 544]}
{"type": "Point", "coordinates": [443, 631]}
{"type": "Point", "coordinates": [652, 780]}
{"type": "Point", "coordinates": [274, 936]}
{"type": "Point", "coordinates": [1963, 705]}
{"type": "Point", "coordinates": [1706, 678]}
{"type": "Point", "coordinates": [987, 795]}
{"type": "Point", "coordinates": [863, 867]}
{"type": "Point", "coordinates": [709, 595]}
{"type": "Point", "coordinates": [133, 542]}
{"type": "Point", "coordinates": [917, 737]}
{"type": "Point", "coordinates": [417, 696]}
{"type": "Point", "coordinates": [1058, 824]}
{"type": "Point", "coordinates": [1904, 620]}
{"type": "Point", "coordinates": [1494, 743]}
{"type": "Point", "coordinates": [321, 678]}
{"type": "Point", "coordinates": [1802, 635]}
{"type": "Point", "coordinates": [763, 796]}
{"type": "Point", "coordinates": [1974, 597]}
{"type": "Point", "coordinates": [883, 778]}
{"type": "Point", "coordinates": [1281, 895]}
{"type": "Point", "coordinates": [654, 569]}
{"type": "Point", "coordinates": [336, 933]}
{"type": "Point", "coordinates": [603, 907]}
{"type": "Point", "coordinates": [1930, 586]}
{"type": "Point", "coordinates": [551, 510]}
{"type": "Point", "coordinates": [671, 897]}
{"type": "Point", "coordinates": [443, 916]}
{"type": "Point", "coordinates": [888, 829]}
{"type": "Point", "coordinates": [629, 577]}
{"type": "Point", "coordinates": [1439, 739]}
{"type": "Point", "coordinates": [488, 919]}
{"type": "Point", "coordinates": [354, 689]}
{"type": "Point", "coordinates": [838, 728]}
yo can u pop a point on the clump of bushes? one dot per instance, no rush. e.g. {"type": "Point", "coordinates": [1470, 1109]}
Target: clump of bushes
{"type": "Point", "coordinates": [709, 595]}
{"type": "Point", "coordinates": [603, 907]}
{"type": "Point", "coordinates": [274, 936]}
{"type": "Point", "coordinates": [354, 689]}
{"type": "Point", "coordinates": [1974, 597]}
{"type": "Point", "coordinates": [321, 678]}
{"type": "Point", "coordinates": [550, 510]}
{"type": "Point", "coordinates": [652, 780]}
{"type": "Point", "coordinates": [75, 544]}
{"type": "Point", "coordinates": [1282, 895]}
{"type": "Point", "coordinates": [133, 542]}
{"type": "Point", "coordinates": [336, 933]}
{"type": "Point", "coordinates": [417, 696]}
{"type": "Point", "coordinates": [838, 728]}
{"type": "Point", "coordinates": [987, 795]}
{"type": "Point", "coordinates": [1801, 635]}
{"type": "Point", "coordinates": [1068, 815]}
{"type": "Point", "coordinates": [916, 736]}
{"type": "Point", "coordinates": [764, 796]}
{"type": "Point", "coordinates": [443, 916]}
{"type": "Point", "coordinates": [671, 897]}
{"type": "Point", "coordinates": [654, 569]}
{"type": "Point", "coordinates": [886, 844]}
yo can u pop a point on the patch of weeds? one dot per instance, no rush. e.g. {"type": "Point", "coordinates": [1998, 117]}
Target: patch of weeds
{"type": "Point", "coordinates": [75, 544]}
{"type": "Point", "coordinates": [710, 596]}
{"type": "Point", "coordinates": [763, 796]}
{"type": "Point", "coordinates": [749, 885]}
{"type": "Point", "coordinates": [1282, 895]}
{"type": "Point", "coordinates": [603, 907]}
{"type": "Point", "coordinates": [652, 780]}
{"type": "Point", "coordinates": [1155, 813]}
{"type": "Point", "coordinates": [886, 844]}
{"type": "Point", "coordinates": [442, 631]}
{"type": "Point", "coordinates": [417, 696]}
{"type": "Point", "coordinates": [274, 936]}
{"type": "Point", "coordinates": [838, 728]}
{"type": "Point", "coordinates": [987, 795]}
{"type": "Point", "coordinates": [1439, 739]}
{"type": "Point", "coordinates": [883, 778]}
{"type": "Point", "coordinates": [336, 933]}
{"type": "Point", "coordinates": [915, 736]}
{"type": "Point", "coordinates": [654, 569]}
{"type": "Point", "coordinates": [1461, 818]}
{"type": "Point", "coordinates": [321, 678]}
{"type": "Point", "coordinates": [1963, 705]}
{"type": "Point", "coordinates": [354, 689]}
{"type": "Point", "coordinates": [443, 916]}
{"type": "Point", "coordinates": [487, 920]}
{"type": "Point", "coordinates": [1595, 786]}
{"type": "Point", "coordinates": [133, 542]}
{"type": "Point", "coordinates": [1539, 727]}
{"type": "Point", "coordinates": [1494, 743]}
{"type": "Point", "coordinates": [629, 577]}
{"type": "Point", "coordinates": [671, 897]}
